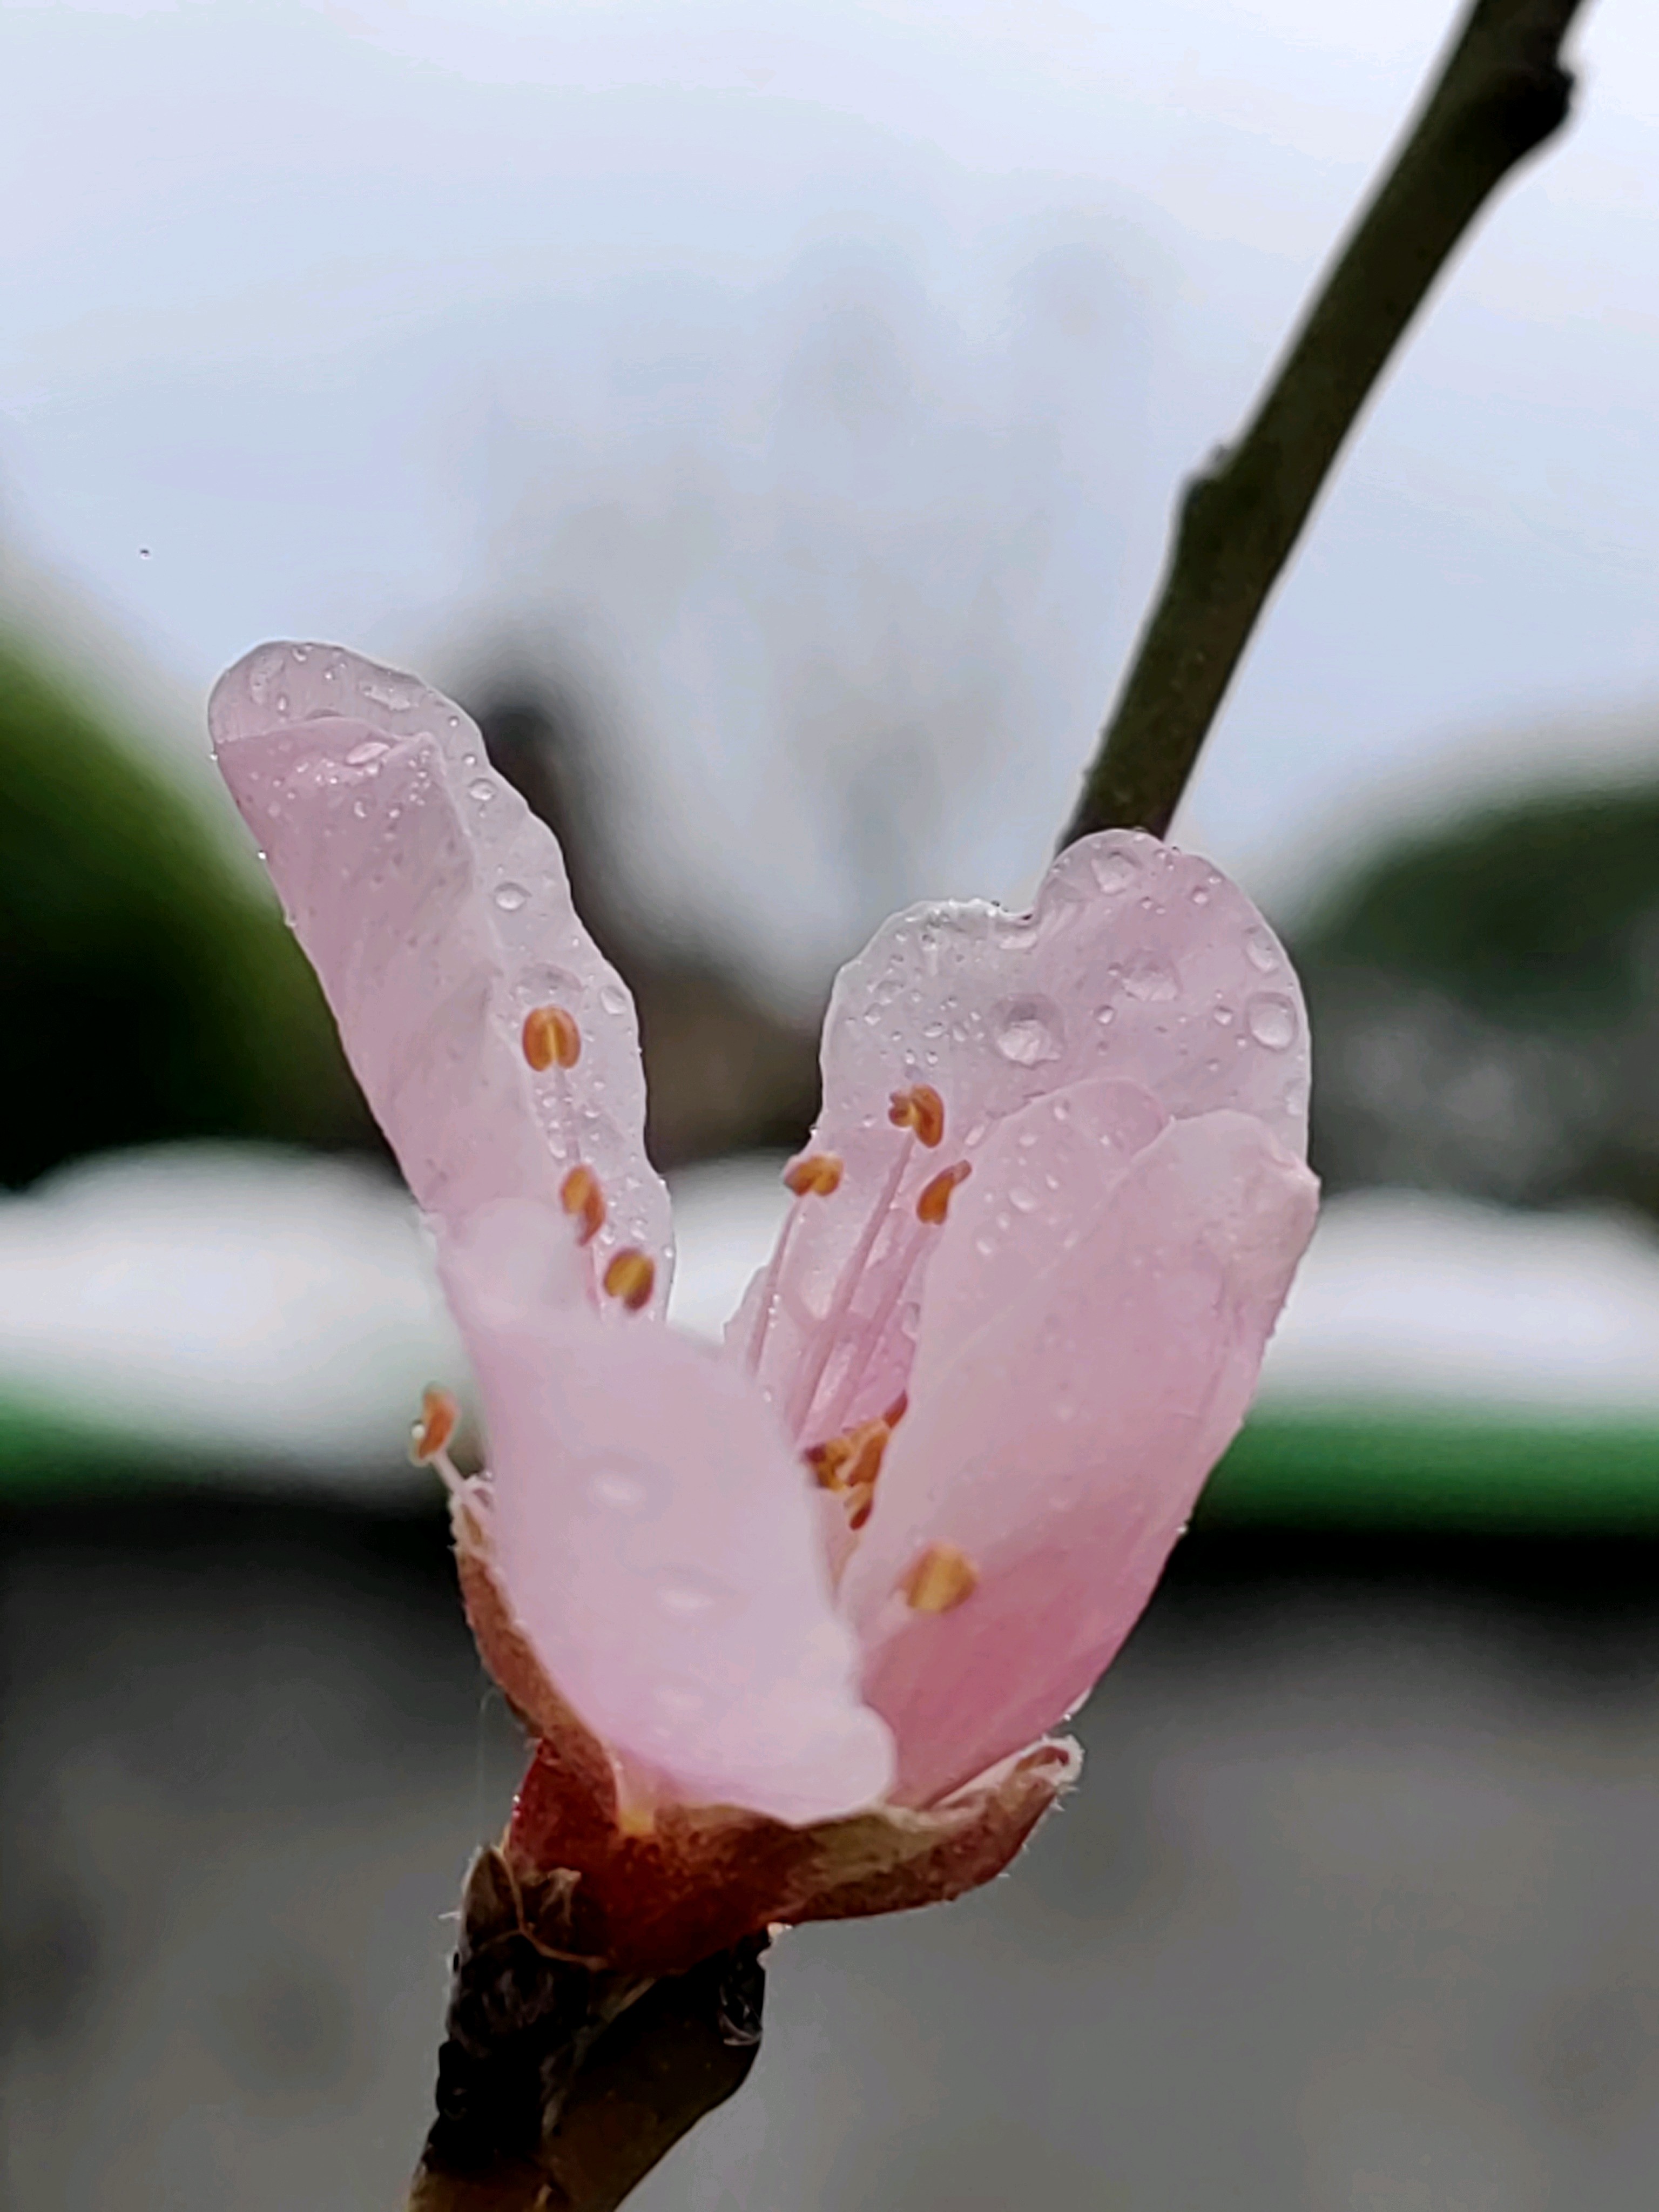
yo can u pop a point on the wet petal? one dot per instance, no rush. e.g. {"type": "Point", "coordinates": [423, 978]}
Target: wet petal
{"type": "Point", "coordinates": [653, 1540]}
{"type": "Point", "coordinates": [1137, 963]}
{"type": "Point", "coordinates": [1062, 1419]}
{"type": "Point", "coordinates": [436, 911]}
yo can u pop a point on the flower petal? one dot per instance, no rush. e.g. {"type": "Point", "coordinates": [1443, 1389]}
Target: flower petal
{"type": "Point", "coordinates": [436, 911]}
{"type": "Point", "coordinates": [654, 1541]}
{"type": "Point", "coordinates": [1138, 961]}
{"type": "Point", "coordinates": [1062, 1419]}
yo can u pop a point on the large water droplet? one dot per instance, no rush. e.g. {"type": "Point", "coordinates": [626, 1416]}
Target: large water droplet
{"type": "Point", "coordinates": [1150, 978]}
{"type": "Point", "coordinates": [613, 998]}
{"type": "Point", "coordinates": [1260, 950]}
{"type": "Point", "coordinates": [1029, 1031]}
{"type": "Point", "coordinates": [482, 790]}
{"type": "Point", "coordinates": [360, 756]}
{"type": "Point", "coordinates": [1115, 871]}
{"type": "Point", "coordinates": [510, 897]}
{"type": "Point", "coordinates": [384, 691]}
{"type": "Point", "coordinates": [1272, 1020]}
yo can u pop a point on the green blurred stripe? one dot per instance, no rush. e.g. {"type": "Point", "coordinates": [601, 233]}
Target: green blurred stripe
{"type": "Point", "coordinates": [1386, 1468]}
{"type": "Point", "coordinates": [1350, 1467]}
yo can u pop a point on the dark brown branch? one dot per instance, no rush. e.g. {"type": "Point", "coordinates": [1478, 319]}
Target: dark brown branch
{"type": "Point", "coordinates": [560, 2086]}
{"type": "Point", "coordinates": [1502, 92]}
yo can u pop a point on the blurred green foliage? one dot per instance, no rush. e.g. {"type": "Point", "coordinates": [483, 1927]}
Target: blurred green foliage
{"type": "Point", "coordinates": [146, 993]}
{"type": "Point", "coordinates": [1486, 1006]}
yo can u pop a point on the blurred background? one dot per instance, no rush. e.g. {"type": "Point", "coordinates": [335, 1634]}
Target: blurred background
{"type": "Point", "coordinates": [766, 420]}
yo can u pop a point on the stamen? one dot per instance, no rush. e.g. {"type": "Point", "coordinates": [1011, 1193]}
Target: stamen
{"type": "Point", "coordinates": [579, 1194]}
{"type": "Point", "coordinates": [631, 1277]}
{"type": "Point", "coordinates": [816, 1173]}
{"type": "Point", "coordinates": [550, 1038]}
{"type": "Point", "coordinates": [934, 1202]}
{"type": "Point", "coordinates": [431, 1435]}
{"type": "Point", "coordinates": [851, 1461]}
{"type": "Point", "coordinates": [941, 1579]}
{"type": "Point", "coordinates": [819, 1354]}
{"type": "Point", "coordinates": [921, 1109]}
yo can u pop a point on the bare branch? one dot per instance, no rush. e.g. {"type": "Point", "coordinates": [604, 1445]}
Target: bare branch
{"type": "Point", "coordinates": [1502, 93]}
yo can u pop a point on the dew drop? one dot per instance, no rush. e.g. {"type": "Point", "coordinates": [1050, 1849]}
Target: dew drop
{"type": "Point", "coordinates": [1105, 1016]}
{"type": "Point", "coordinates": [613, 998]}
{"type": "Point", "coordinates": [622, 1488]}
{"type": "Point", "coordinates": [1028, 1032]}
{"type": "Point", "coordinates": [1115, 871]}
{"type": "Point", "coordinates": [384, 692]}
{"type": "Point", "coordinates": [1272, 1020]}
{"type": "Point", "coordinates": [1223, 1017]}
{"type": "Point", "coordinates": [1023, 1200]}
{"type": "Point", "coordinates": [689, 1596]}
{"type": "Point", "coordinates": [360, 756]}
{"type": "Point", "coordinates": [1260, 951]}
{"type": "Point", "coordinates": [482, 790]}
{"type": "Point", "coordinates": [509, 897]}
{"type": "Point", "coordinates": [1150, 979]}
{"type": "Point", "coordinates": [985, 1244]}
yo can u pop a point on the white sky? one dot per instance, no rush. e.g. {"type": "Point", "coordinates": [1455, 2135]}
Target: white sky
{"type": "Point", "coordinates": [817, 376]}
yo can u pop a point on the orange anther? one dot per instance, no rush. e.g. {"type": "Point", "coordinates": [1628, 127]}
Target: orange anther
{"type": "Point", "coordinates": [860, 1504]}
{"type": "Point", "coordinates": [551, 1038]}
{"type": "Point", "coordinates": [896, 1412]}
{"type": "Point", "coordinates": [631, 1277]}
{"type": "Point", "coordinates": [817, 1173]}
{"type": "Point", "coordinates": [941, 1580]}
{"type": "Point", "coordinates": [579, 1194]}
{"type": "Point", "coordinates": [439, 1415]}
{"type": "Point", "coordinates": [921, 1109]}
{"type": "Point", "coordinates": [934, 1202]}
{"type": "Point", "coordinates": [851, 1461]}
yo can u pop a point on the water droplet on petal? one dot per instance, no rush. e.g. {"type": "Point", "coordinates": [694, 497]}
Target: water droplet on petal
{"type": "Point", "coordinates": [613, 998]}
{"type": "Point", "coordinates": [482, 790]}
{"type": "Point", "coordinates": [688, 1595]}
{"type": "Point", "coordinates": [360, 756]}
{"type": "Point", "coordinates": [1023, 1200]}
{"type": "Point", "coordinates": [1150, 978]}
{"type": "Point", "coordinates": [624, 1487]}
{"type": "Point", "coordinates": [510, 897]}
{"type": "Point", "coordinates": [1115, 871]}
{"type": "Point", "coordinates": [1260, 951]}
{"type": "Point", "coordinates": [1029, 1031]}
{"type": "Point", "coordinates": [1272, 1020]}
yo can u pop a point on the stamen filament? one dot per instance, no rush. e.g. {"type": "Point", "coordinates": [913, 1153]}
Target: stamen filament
{"type": "Point", "coordinates": [812, 1367]}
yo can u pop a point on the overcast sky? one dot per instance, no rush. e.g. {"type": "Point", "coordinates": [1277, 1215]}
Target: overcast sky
{"type": "Point", "coordinates": [812, 379]}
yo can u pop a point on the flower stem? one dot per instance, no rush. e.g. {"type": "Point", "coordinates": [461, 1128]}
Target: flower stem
{"type": "Point", "coordinates": [1501, 93]}
{"type": "Point", "coordinates": [560, 2086]}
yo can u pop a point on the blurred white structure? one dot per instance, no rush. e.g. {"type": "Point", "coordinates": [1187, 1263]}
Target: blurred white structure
{"type": "Point", "coordinates": [269, 1316]}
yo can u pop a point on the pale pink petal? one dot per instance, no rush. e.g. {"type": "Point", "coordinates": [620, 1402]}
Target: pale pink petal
{"type": "Point", "coordinates": [436, 911]}
{"type": "Point", "coordinates": [1063, 1417]}
{"type": "Point", "coordinates": [1138, 961]}
{"type": "Point", "coordinates": [654, 1539]}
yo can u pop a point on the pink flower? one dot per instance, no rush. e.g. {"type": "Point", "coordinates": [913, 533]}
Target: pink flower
{"type": "Point", "coordinates": [791, 1622]}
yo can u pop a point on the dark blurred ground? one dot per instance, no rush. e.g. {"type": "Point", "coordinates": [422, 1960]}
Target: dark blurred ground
{"type": "Point", "coordinates": [1356, 1911]}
